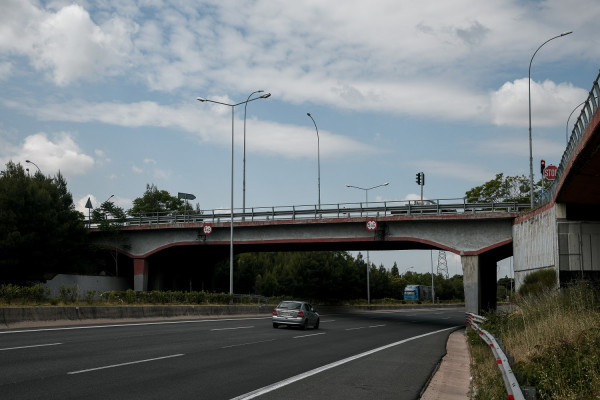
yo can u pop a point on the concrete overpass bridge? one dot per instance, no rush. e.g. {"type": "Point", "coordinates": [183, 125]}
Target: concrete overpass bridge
{"type": "Point", "coordinates": [561, 232]}
{"type": "Point", "coordinates": [481, 233]}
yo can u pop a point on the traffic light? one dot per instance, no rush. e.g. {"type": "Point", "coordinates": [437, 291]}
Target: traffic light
{"type": "Point", "coordinates": [420, 179]}
{"type": "Point", "coordinates": [542, 166]}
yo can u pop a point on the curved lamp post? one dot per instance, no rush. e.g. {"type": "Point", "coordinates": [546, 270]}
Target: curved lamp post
{"type": "Point", "coordinates": [318, 159]}
{"type": "Point", "coordinates": [530, 146]}
{"type": "Point", "coordinates": [244, 175]}
{"type": "Point", "coordinates": [31, 162]}
{"type": "Point", "coordinates": [201, 99]}
{"type": "Point", "coordinates": [367, 205]}
{"type": "Point", "coordinates": [575, 109]}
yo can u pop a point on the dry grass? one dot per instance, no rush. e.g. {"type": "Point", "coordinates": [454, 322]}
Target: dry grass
{"type": "Point", "coordinates": [554, 338]}
{"type": "Point", "coordinates": [487, 383]}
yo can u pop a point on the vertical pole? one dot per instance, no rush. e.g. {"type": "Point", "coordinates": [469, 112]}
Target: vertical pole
{"type": "Point", "coordinates": [368, 267]}
{"type": "Point", "coordinates": [432, 287]}
{"type": "Point", "coordinates": [231, 222]}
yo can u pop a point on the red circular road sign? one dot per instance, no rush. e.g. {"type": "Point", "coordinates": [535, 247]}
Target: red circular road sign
{"type": "Point", "coordinates": [550, 172]}
{"type": "Point", "coordinates": [207, 229]}
{"type": "Point", "coordinates": [371, 224]}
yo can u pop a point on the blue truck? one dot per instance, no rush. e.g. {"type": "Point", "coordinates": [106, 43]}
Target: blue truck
{"type": "Point", "coordinates": [417, 292]}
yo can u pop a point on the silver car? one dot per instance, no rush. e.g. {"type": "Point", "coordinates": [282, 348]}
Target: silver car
{"type": "Point", "coordinates": [295, 313]}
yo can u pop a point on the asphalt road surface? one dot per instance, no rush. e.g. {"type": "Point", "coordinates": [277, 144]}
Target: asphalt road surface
{"type": "Point", "coordinates": [367, 355]}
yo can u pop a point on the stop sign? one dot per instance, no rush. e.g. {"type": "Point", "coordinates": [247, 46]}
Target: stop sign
{"type": "Point", "coordinates": [550, 172]}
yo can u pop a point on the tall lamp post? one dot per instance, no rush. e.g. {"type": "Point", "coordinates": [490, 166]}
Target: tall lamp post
{"type": "Point", "coordinates": [244, 175]}
{"type": "Point", "coordinates": [530, 145]}
{"type": "Point", "coordinates": [318, 159]}
{"type": "Point", "coordinates": [31, 162]}
{"type": "Point", "coordinates": [201, 99]}
{"type": "Point", "coordinates": [367, 205]}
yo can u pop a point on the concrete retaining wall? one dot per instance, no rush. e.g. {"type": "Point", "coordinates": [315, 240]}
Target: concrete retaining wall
{"type": "Point", "coordinates": [85, 283]}
{"type": "Point", "coordinates": [534, 244]}
{"type": "Point", "coordinates": [12, 315]}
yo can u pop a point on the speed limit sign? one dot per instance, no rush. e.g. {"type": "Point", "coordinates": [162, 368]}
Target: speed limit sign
{"type": "Point", "coordinates": [371, 225]}
{"type": "Point", "coordinates": [207, 229]}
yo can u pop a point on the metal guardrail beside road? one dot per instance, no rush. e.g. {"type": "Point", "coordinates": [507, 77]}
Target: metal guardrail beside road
{"type": "Point", "coordinates": [340, 210]}
{"type": "Point", "coordinates": [510, 381]}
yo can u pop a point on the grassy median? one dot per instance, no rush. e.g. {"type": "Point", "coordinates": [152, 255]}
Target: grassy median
{"type": "Point", "coordinates": [554, 338]}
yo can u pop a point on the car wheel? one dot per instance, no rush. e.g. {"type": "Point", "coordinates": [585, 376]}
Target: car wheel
{"type": "Point", "coordinates": [317, 324]}
{"type": "Point", "coordinates": [275, 325]}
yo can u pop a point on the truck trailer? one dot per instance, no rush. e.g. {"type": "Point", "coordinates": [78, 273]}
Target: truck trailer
{"type": "Point", "coordinates": [417, 292]}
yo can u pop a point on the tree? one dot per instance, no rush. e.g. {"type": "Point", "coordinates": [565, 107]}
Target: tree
{"type": "Point", "coordinates": [110, 218]}
{"type": "Point", "coordinates": [510, 188]}
{"type": "Point", "coordinates": [155, 200]}
{"type": "Point", "coordinates": [41, 233]}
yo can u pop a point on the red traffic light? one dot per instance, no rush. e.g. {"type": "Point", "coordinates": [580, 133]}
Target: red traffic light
{"type": "Point", "coordinates": [542, 166]}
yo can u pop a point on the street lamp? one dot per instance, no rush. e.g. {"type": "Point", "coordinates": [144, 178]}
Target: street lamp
{"type": "Point", "coordinates": [244, 178]}
{"type": "Point", "coordinates": [318, 159]}
{"type": "Point", "coordinates": [530, 145]}
{"type": "Point", "coordinates": [575, 109]}
{"type": "Point", "coordinates": [201, 99]}
{"type": "Point", "coordinates": [31, 162]}
{"type": "Point", "coordinates": [367, 205]}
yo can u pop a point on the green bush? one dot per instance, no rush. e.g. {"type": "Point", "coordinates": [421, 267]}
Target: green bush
{"type": "Point", "coordinates": [36, 294]}
{"type": "Point", "coordinates": [538, 282]}
{"type": "Point", "coordinates": [68, 294]}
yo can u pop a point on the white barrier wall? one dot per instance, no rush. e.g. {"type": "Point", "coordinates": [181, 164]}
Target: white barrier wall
{"type": "Point", "coordinates": [535, 242]}
{"type": "Point", "coordinates": [86, 283]}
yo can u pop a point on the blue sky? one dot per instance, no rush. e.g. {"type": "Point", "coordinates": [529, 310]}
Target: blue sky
{"type": "Point", "coordinates": [105, 92]}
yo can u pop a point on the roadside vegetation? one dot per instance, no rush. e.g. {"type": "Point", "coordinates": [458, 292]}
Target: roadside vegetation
{"type": "Point", "coordinates": [552, 335]}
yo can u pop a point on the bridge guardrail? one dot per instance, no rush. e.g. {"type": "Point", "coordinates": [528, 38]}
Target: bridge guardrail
{"type": "Point", "coordinates": [510, 381]}
{"type": "Point", "coordinates": [585, 117]}
{"type": "Point", "coordinates": [340, 210]}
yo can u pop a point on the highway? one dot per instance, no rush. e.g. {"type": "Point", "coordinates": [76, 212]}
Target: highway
{"type": "Point", "coordinates": [383, 355]}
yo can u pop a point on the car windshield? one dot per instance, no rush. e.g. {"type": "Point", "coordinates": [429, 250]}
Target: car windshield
{"type": "Point", "coordinates": [291, 305]}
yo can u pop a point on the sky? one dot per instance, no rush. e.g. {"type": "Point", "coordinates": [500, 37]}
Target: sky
{"type": "Point", "coordinates": [105, 92]}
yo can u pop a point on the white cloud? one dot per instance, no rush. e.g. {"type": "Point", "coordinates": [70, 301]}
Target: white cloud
{"type": "Point", "coordinates": [67, 43]}
{"type": "Point", "coordinates": [212, 124]}
{"type": "Point", "coordinates": [551, 103]}
{"type": "Point", "coordinates": [59, 153]}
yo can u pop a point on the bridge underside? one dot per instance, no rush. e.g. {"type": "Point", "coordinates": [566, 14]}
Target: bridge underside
{"type": "Point", "coordinates": [182, 258]}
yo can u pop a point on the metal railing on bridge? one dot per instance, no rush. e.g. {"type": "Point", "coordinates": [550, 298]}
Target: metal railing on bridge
{"type": "Point", "coordinates": [585, 117]}
{"type": "Point", "coordinates": [340, 210]}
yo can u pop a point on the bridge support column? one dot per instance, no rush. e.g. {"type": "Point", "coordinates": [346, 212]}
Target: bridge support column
{"type": "Point", "coordinates": [479, 280]}
{"type": "Point", "coordinates": [140, 274]}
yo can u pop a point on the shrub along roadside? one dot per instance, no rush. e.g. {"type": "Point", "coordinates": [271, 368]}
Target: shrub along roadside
{"type": "Point", "coordinates": [39, 295]}
{"type": "Point", "coordinates": [554, 337]}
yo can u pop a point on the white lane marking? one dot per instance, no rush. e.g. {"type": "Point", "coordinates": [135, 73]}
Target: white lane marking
{"type": "Point", "coordinates": [68, 328]}
{"type": "Point", "coordinates": [123, 364]}
{"type": "Point", "coordinates": [247, 344]}
{"type": "Point", "coordinates": [364, 327]}
{"type": "Point", "coordinates": [29, 347]}
{"type": "Point", "coordinates": [289, 381]}
{"type": "Point", "coordinates": [230, 329]}
{"type": "Point", "coordinates": [311, 334]}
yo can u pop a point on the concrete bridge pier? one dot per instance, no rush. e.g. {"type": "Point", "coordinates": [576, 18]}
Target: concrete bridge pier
{"type": "Point", "coordinates": [140, 274]}
{"type": "Point", "coordinates": [479, 279]}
